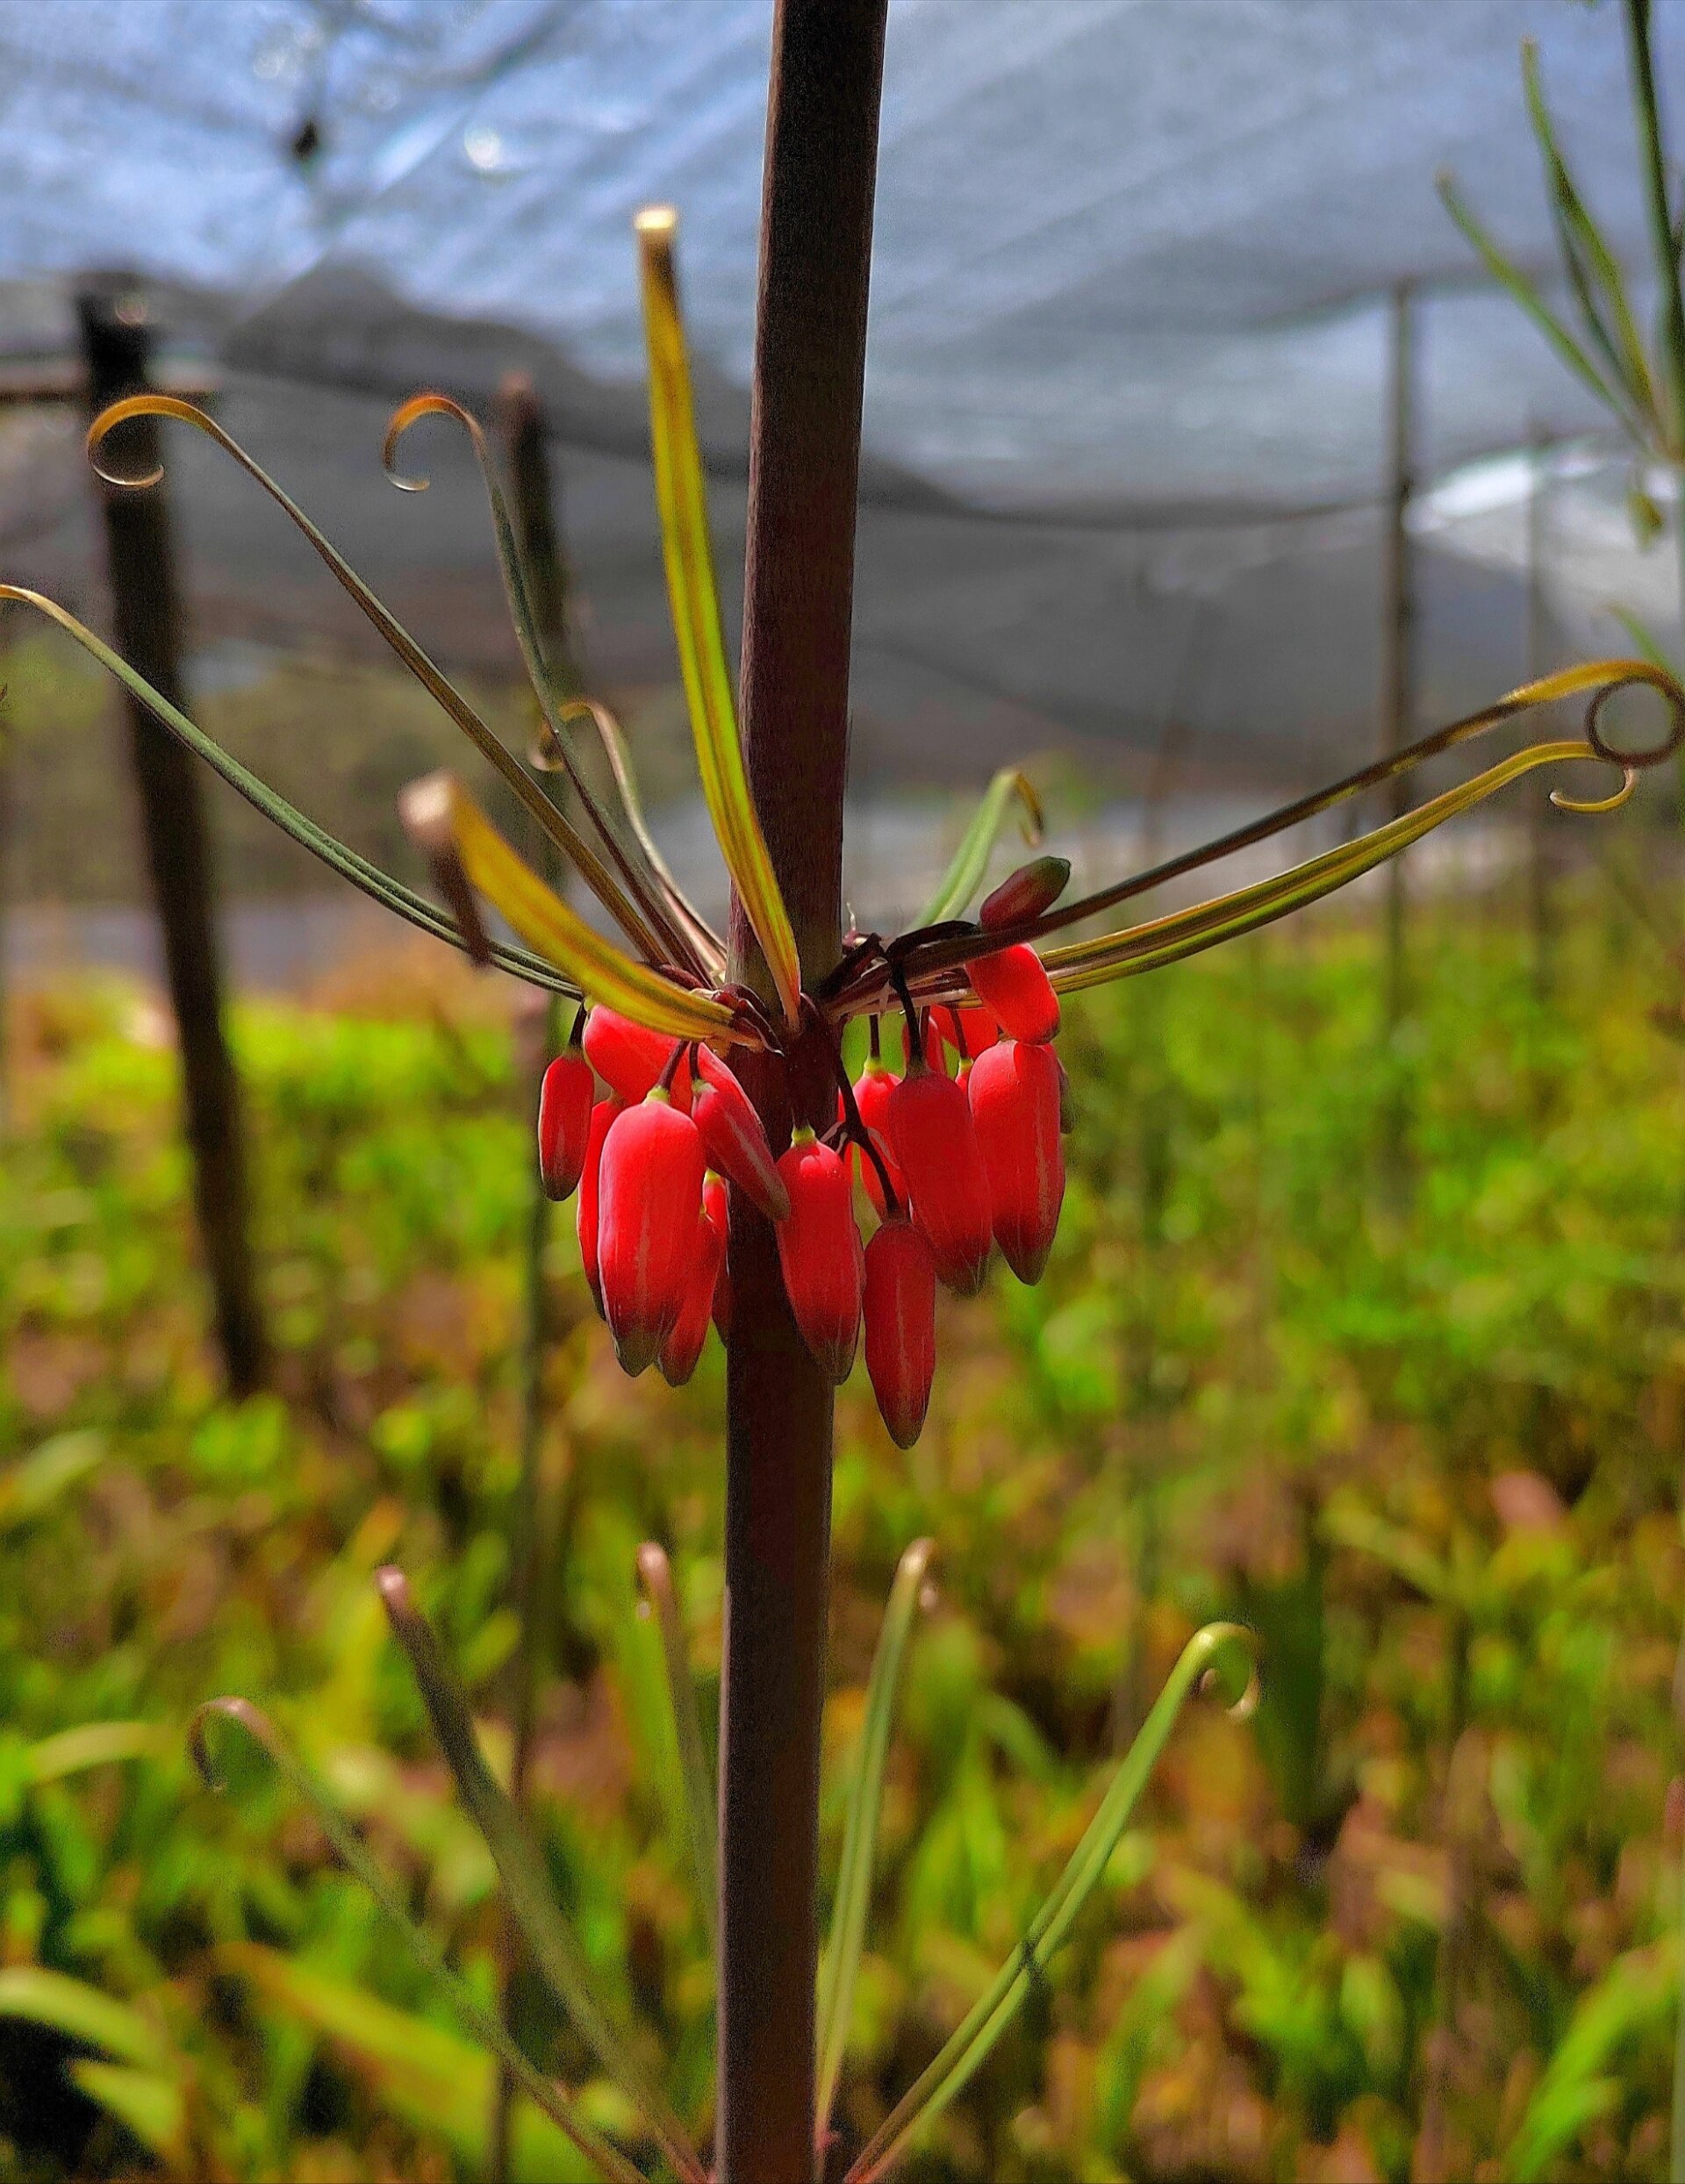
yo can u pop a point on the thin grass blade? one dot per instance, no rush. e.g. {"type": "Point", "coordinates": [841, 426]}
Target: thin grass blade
{"type": "Point", "coordinates": [520, 1865]}
{"type": "Point", "coordinates": [681, 496]}
{"type": "Point", "coordinates": [971, 860]}
{"type": "Point", "coordinates": [349, 1846]}
{"type": "Point", "coordinates": [464, 846]}
{"type": "Point", "coordinates": [701, 1801]}
{"type": "Point", "coordinates": [1591, 265]}
{"type": "Point", "coordinates": [438, 685]}
{"type": "Point", "coordinates": [842, 1965]}
{"type": "Point", "coordinates": [1217, 1651]}
{"type": "Point", "coordinates": [1525, 291]}
{"type": "Point", "coordinates": [380, 886]}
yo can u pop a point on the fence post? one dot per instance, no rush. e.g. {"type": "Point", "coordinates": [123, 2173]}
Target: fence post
{"type": "Point", "coordinates": [146, 613]}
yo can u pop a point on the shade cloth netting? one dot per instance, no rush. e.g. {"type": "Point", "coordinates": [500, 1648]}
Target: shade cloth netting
{"type": "Point", "coordinates": [1125, 412]}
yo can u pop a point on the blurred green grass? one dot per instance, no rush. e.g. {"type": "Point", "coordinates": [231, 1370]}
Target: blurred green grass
{"type": "Point", "coordinates": [1427, 1440]}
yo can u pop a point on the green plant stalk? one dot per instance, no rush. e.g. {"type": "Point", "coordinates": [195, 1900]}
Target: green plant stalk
{"type": "Point", "coordinates": [556, 1953]}
{"type": "Point", "coordinates": [1676, 2147]}
{"type": "Point", "coordinates": [1205, 1653]}
{"type": "Point", "coordinates": [1647, 115]}
{"type": "Point", "coordinates": [701, 1799]}
{"type": "Point", "coordinates": [860, 1827]}
{"type": "Point", "coordinates": [525, 1552]}
{"type": "Point", "coordinates": [478, 2020]}
{"type": "Point", "coordinates": [1647, 112]}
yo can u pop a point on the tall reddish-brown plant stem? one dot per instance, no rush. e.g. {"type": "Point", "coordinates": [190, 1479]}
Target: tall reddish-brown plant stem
{"type": "Point", "coordinates": [804, 468]}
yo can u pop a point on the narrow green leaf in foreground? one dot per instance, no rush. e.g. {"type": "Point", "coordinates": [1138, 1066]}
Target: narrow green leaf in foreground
{"type": "Point", "coordinates": [380, 886]}
{"type": "Point", "coordinates": [520, 1866]}
{"type": "Point", "coordinates": [1525, 292]}
{"type": "Point", "coordinates": [681, 496]}
{"type": "Point", "coordinates": [841, 1964]}
{"type": "Point", "coordinates": [1217, 1650]}
{"type": "Point", "coordinates": [701, 1804]}
{"type": "Point", "coordinates": [349, 1846]}
{"type": "Point", "coordinates": [971, 860]}
{"type": "Point", "coordinates": [41, 1996]}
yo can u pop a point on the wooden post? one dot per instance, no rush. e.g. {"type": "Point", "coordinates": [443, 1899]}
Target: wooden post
{"type": "Point", "coordinates": [822, 150]}
{"type": "Point", "coordinates": [1542, 894]}
{"type": "Point", "coordinates": [146, 613]}
{"type": "Point", "coordinates": [1398, 682]}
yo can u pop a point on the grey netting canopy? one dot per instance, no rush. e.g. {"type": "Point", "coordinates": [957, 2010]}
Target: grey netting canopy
{"type": "Point", "coordinates": [1126, 391]}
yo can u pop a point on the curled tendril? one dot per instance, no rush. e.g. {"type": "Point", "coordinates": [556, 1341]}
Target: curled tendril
{"type": "Point", "coordinates": [119, 414]}
{"type": "Point", "coordinates": [411, 413]}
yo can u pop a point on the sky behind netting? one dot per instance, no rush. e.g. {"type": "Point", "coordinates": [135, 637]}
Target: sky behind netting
{"type": "Point", "coordinates": [1126, 250]}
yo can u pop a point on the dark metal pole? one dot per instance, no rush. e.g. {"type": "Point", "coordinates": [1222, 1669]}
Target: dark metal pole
{"type": "Point", "coordinates": [146, 613]}
{"type": "Point", "coordinates": [821, 168]}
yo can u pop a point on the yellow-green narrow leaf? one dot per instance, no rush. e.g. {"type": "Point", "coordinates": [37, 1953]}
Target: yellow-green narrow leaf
{"type": "Point", "coordinates": [681, 496]}
{"type": "Point", "coordinates": [444, 818]}
{"type": "Point", "coordinates": [971, 860]}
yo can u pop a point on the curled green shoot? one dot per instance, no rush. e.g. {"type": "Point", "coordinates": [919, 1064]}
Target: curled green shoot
{"type": "Point", "coordinates": [349, 1846]}
{"type": "Point", "coordinates": [1224, 1653]}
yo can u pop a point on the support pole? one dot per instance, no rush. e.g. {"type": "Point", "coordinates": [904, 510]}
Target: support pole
{"type": "Point", "coordinates": [521, 427]}
{"type": "Point", "coordinates": [804, 469]}
{"type": "Point", "coordinates": [1542, 904]}
{"type": "Point", "coordinates": [1398, 680]}
{"type": "Point", "coordinates": [146, 619]}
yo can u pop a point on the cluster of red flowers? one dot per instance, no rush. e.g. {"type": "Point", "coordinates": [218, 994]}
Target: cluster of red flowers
{"type": "Point", "coordinates": [952, 1165]}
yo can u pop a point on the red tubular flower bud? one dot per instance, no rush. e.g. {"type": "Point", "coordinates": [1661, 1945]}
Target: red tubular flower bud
{"type": "Point", "coordinates": [649, 1194]}
{"type": "Point", "coordinates": [935, 1144]}
{"type": "Point", "coordinates": [1067, 1102]}
{"type": "Point", "coordinates": [819, 1250]}
{"type": "Point", "coordinates": [601, 1115]}
{"type": "Point", "coordinates": [733, 1136]}
{"type": "Point", "coordinates": [716, 1199]}
{"type": "Point", "coordinates": [969, 1030]}
{"type": "Point", "coordinates": [630, 1058]}
{"type": "Point", "coordinates": [900, 1316]}
{"type": "Point", "coordinates": [565, 1104]}
{"type": "Point", "coordinates": [1014, 984]}
{"type": "Point", "coordinates": [871, 1091]}
{"type": "Point", "coordinates": [1014, 1095]}
{"type": "Point", "coordinates": [1025, 893]}
{"type": "Point", "coordinates": [683, 1345]}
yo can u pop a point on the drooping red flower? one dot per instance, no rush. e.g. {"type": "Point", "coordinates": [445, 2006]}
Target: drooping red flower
{"type": "Point", "coordinates": [871, 1090]}
{"type": "Point", "coordinates": [936, 1145]}
{"type": "Point", "coordinates": [818, 1250]}
{"type": "Point", "coordinates": [969, 1029]}
{"type": "Point", "coordinates": [683, 1347]}
{"type": "Point", "coordinates": [734, 1136]}
{"type": "Point", "coordinates": [900, 1320]}
{"type": "Point", "coordinates": [1014, 1096]}
{"type": "Point", "coordinates": [601, 1116]}
{"type": "Point", "coordinates": [650, 1193]}
{"type": "Point", "coordinates": [564, 1103]}
{"type": "Point", "coordinates": [1013, 983]}
{"type": "Point", "coordinates": [629, 1057]}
